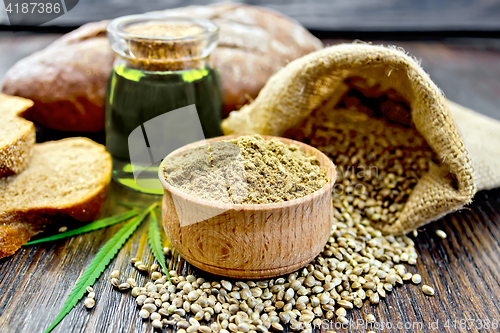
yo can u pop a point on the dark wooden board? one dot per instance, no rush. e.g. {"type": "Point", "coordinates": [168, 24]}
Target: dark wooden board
{"type": "Point", "coordinates": [464, 269]}
{"type": "Point", "coordinates": [339, 15]}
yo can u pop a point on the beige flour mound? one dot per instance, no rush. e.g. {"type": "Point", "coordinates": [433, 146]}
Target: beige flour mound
{"type": "Point", "coordinates": [246, 170]}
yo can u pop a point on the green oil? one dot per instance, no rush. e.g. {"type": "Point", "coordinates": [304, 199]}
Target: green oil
{"type": "Point", "coordinates": [136, 96]}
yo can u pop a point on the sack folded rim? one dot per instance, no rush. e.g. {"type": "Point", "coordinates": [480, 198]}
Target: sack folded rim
{"type": "Point", "coordinates": [300, 87]}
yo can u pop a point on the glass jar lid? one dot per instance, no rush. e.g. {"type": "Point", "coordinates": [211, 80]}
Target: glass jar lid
{"type": "Point", "coordinates": [165, 43]}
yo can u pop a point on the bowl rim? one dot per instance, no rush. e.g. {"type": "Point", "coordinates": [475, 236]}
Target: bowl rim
{"type": "Point", "coordinates": [330, 171]}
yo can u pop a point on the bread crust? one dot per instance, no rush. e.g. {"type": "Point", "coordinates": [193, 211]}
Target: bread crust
{"type": "Point", "coordinates": [67, 80]}
{"type": "Point", "coordinates": [15, 153]}
{"type": "Point", "coordinates": [15, 156]}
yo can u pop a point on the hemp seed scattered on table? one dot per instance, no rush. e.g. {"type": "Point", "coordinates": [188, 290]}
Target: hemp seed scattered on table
{"type": "Point", "coordinates": [441, 234]}
{"type": "Point", "coordinates": [114, 274]}
{"type": "Point", "coordinates": [115, 282]}
{"type": "Point", "coordinates": [359, 263]}
{"type": "Point", "coordinates": [428, 290]}
{"type": "Point", "coordinates": [89, 303]}
{"type": "Point", "coordinates": [416, 278]}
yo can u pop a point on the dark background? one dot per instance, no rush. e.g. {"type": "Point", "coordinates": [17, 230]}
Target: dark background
{"type": "Point", "coordinates": [326, 15]}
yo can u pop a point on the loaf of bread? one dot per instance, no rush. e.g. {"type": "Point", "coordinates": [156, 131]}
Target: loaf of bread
{"type": "Point", "coordinates": [65, 180]}
{"type": "Point", "coordinates": [67, 80]}
{"type": "Point", "coordinates": [17, 136]}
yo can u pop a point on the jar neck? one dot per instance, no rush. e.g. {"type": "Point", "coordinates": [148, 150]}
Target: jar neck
{"type": "Point", "coordinates": [162, 65]}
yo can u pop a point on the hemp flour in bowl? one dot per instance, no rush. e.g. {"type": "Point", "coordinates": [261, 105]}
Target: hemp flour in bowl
{"type": "Point", "coordinates": [247, 207]}
{"type": "Point", "coordinates": [246, 170]}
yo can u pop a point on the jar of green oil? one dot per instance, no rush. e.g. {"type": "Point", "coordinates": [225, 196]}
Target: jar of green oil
{"type": "Point", "coordinates": [162, 94]}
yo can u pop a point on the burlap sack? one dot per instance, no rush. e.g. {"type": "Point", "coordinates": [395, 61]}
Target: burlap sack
{"type": "Point", "coordinates": [470, 154]}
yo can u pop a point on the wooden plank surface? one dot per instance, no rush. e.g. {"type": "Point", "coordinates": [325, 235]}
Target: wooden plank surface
{"type": "Point", "coordinates": [463, 269]}
{"type": "Point", "coordinates": [338, 15]}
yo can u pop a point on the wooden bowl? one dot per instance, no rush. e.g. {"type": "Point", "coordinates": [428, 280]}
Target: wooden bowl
{"type": "Point", "coordinates": [249, 241]}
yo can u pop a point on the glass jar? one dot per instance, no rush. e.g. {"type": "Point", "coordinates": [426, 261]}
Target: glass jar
{"type": "Point", "coordinates": [162, 94]}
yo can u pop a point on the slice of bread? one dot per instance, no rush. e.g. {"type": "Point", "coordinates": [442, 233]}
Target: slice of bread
{"type": "Point", "coordinates": [65, 179]}
{"type": "Point", "coordinates": [17, 135]}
